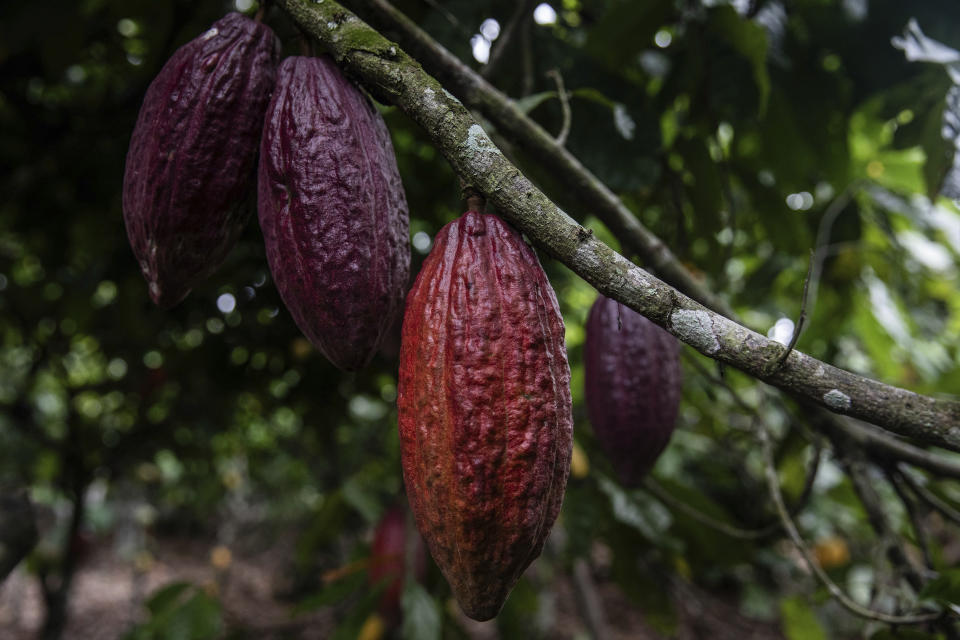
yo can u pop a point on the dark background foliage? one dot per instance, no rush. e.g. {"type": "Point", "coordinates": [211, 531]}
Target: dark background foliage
{"type": "Point", "coordinates": [737, 132]}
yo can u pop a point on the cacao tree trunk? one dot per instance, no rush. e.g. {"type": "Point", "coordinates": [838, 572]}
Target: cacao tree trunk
{"type": "Point", "coordinates": [56, 587]}
{"type": "Point", "coordinates": [18, 530]}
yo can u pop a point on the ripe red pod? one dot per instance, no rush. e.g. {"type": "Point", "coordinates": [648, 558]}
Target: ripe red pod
{"type": "Point", "coordinates": [484, 408]}
{"type": "Point", "coordinates": [190, 164]}
{"type": "Point", "coordinates": [333, 212]}
{"type": "Point", "coordinates": [632, 371]}
{"type": "Point", "coordinates": [388, 560]}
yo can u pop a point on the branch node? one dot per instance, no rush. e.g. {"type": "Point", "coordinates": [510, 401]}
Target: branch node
{"type": "Point", "coordinates": [798, 327]}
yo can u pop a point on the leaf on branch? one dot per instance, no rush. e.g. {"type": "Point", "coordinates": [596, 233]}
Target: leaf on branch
{"type": "Point", "coordinates": [798, 620]}
{"type": "Point", "coordinates": [917, 47]}
{"type": "Point", "coordinates": [531, 102]}
{"type": "Point", "coordinates": [421, 616]}
{"type": "Point", "coordinates": [943, 588]}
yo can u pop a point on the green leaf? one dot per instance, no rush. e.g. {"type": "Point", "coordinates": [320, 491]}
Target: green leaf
{"type": "Point", "coordinates": [333, 593]}
{"type": "Point", "coordinates": [350, 626]}
{"type": "Point", "coordinates": [421, 615]}
{"type": "Point", "coordinates": [625, 29]}
{"type": "Point", "coordinates": [197, 619]}
{"type": "Point", "coordinates": [944, 588]}
{"type": "Point", "coordinates": [519, 618]}
{"type": "Point", "coordinates": [531, 102]}
{"type": "Point", "coordinates": [939, 152]}
{"type": "Point", "coordinates": [175, 618]}
{"type": "Point", "coordinates": [593, 95]}
{"type": "Point", "coordinates": [166, 598]}
{"type": "Point", "coordinates": [361, 497]}
{"type": "Point", "coordinates": [648, 517]}
{"type": "Point", "coordinates": [798, 620]}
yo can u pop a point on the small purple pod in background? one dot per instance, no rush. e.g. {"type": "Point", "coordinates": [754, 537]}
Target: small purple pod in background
{"type": "Point", "coordinates": [633, 380]}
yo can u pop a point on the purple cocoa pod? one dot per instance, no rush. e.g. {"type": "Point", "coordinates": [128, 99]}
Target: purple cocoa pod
{"type": "Point", "coordinates": [632, 371]}
{"type": "Point", "coordinates": [189, 169]}
{"type": "Point", "coordinates": [333, 212]}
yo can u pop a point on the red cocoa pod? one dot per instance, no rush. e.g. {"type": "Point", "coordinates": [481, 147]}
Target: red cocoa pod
{"type": "Point", "coordinates": [484, 408]}
{"type": "Point", "coordinates": [388, 560]}
{"type": "Point", "coordinates": [333, 212]}
{"type": "Point", "coordinates": [632, 372]}
{"type": "Point", "coordinates": [189, 169]}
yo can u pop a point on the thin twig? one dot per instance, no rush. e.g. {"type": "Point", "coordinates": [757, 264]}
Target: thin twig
{"type": "Point", "coordinates": [446, 13]}
{"type": "Point", "coordinates": [564, 106]}
{"type": "Point", "coordinates": [526, 55]}
{"type": "Point", "coordinates": [824, 229]}
{"type": "Point", "coordinates": [919, 532]}
{"type": "Point", "coordinates": [717, 380]}
{"type": "Point", "coordinates": [773, 483]}
{"type": "Point", "coordinates": [664, 496]}
{"type": "Point", "coordinates": [801, 319]}
{"type": "Point", "coordinates": [885, 446]}
{"type": "Point", "coordinates": [928, 496]}
{"type": "Point", "coordinates": [866, 492]}
{"type": "Point", "coordinates": [590, 602]}
{"type": "Point", "coordinates": [522, 14]}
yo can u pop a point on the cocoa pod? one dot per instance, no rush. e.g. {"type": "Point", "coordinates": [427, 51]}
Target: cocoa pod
{"type": "Point", "coordinates": [332, 210]}
{"type": "Point", "coordinates": [484, 408]}
{"type": "Point", "coordinates": [189, 168]}
{"type": "Point", "coordinates": [388, 560]}
{"type": "Point", "coordinates": [632, 372]}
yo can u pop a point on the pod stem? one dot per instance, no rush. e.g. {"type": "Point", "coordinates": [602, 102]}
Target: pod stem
{"type": "Point", "coordinates": [261, 11]}
{"type": "Point", "coordinates": [475, 200]}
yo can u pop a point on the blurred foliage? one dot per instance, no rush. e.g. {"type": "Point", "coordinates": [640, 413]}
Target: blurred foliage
{"type": "Point", "coordinates": [744, 134]}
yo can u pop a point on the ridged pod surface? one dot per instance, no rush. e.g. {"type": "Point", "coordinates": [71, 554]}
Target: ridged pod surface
{"type": "Point", "coordinates": [189, 168]}
{"type": "Point", "coordinates": [388, 560]}
{"type": "Point", "coordinates": [632, 371]}
{"type": "Point", "coordinates": [484, 408]}
{"type": "Point", "coordinates": [333, 212]}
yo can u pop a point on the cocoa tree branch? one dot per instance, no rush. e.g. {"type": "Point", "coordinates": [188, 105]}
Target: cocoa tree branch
{"type": "Point", "coordinates": [913, 508]}
{"type": "Point", "coordinates": [480, 96]}
{"type": "Point", "coordinates": [885, 446]}
{"type": "Point", "coordinates": [393, 76]}
{"type": "Point", "coordinates": [932, 500]}
{"type": "Point", "coordinates": [890, 541]}
{"type": "Point", "coordinates": [853, 433]}
{"type": "Point", "coordinates": [477, 93]}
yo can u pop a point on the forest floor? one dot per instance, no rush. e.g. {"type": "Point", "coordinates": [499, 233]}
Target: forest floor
{"type": "Point", "coordinates": [108, 596]}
